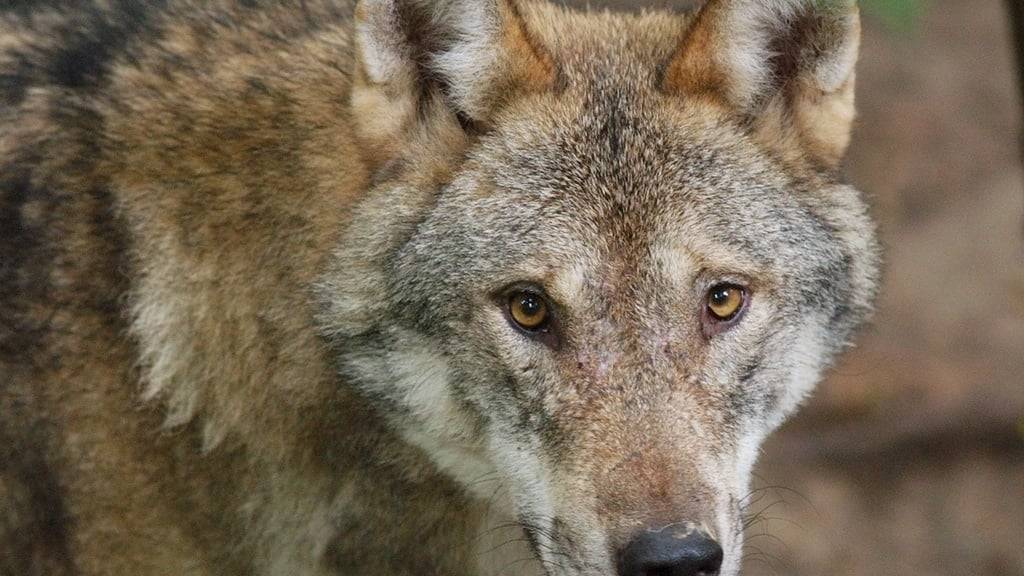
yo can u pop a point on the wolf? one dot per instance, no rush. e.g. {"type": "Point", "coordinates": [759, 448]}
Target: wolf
{"type": "Point", "coordinates": [411, 287]}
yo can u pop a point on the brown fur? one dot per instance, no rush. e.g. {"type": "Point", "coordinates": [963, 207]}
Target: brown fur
{"type": "Point", "coordinates": [170, 399]}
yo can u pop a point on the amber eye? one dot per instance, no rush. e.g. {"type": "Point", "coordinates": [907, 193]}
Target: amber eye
{"type": "Point", "coordinates": [528, 310]}
{"type": "Point", "coordinates": [725, 301]}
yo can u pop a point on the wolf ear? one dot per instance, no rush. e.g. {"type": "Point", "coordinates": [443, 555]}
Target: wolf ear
{"type": "Point", "coordinates": [468, 56]}
{"type": "Point", "coordinates": [786, 65]}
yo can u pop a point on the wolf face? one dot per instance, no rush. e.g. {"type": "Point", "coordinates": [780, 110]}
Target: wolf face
{"type": "Point", "coordinates": [603, 258]}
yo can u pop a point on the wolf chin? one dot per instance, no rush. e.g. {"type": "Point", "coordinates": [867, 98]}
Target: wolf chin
{"type": "Point", "coordinates": [407, 287]}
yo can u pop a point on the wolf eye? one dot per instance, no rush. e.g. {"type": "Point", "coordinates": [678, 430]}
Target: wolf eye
{"type": "Point", "coordinates": [528, 310]}
{"type": "Point", "coordinates": [725, 301]}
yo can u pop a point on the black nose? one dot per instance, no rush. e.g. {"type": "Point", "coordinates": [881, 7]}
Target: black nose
{"type": "Point", "coordinates": [673, 551]}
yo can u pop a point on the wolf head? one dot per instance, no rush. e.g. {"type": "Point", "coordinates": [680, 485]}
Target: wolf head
{"type": "Point", "coordinates": [603, 258]}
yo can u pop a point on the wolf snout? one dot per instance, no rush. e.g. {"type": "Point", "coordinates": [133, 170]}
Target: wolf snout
{"type": "Point", "coordinates": [677, 550]}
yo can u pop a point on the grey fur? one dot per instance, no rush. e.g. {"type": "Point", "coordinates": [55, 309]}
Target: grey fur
{"type": "Point", "coordinates": [259, 310]}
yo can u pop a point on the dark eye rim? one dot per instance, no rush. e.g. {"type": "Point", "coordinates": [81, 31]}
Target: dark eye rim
{"type": "Point", "coordinates": [548, 331]}
{"type": "Point", "coordinates": [712, 323]}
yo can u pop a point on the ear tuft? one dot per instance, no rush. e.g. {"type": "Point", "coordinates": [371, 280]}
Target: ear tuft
{"type": "Point", "coordinates": [475, 55]}
{"type": "Point", "coordinates": [468, 61]}
{"type": "Point", "coordinates": [754, 55]}
{"type": "Point", "coordinates": [383, 52]}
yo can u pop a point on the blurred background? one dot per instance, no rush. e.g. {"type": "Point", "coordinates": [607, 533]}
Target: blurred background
{"type": "Point", "coordinates": [910, 458]}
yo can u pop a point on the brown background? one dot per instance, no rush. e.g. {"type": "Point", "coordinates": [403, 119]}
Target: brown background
{"type": "Point", "coordinates": [910, 459]}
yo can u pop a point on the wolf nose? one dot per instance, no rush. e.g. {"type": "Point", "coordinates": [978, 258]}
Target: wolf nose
{"type": "Point", "coordinates": [673, 551]}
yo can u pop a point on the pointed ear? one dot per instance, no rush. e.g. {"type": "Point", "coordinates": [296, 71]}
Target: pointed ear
{"type": "Point", "coordinates": [787, 65]}
{"type": "Point", "coordinates": [465, 57]}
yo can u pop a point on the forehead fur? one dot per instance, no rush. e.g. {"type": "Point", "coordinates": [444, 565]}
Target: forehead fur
{"type": "Point", "coordinates": [608, 171]}
{"type": "Point", "coordinates": [624, 172]}
{"type": "Point", "coordinates": [589, 47]}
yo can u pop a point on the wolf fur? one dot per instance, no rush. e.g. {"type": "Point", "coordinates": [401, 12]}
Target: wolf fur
{"type": "Point", "coordinates": [253, 255]}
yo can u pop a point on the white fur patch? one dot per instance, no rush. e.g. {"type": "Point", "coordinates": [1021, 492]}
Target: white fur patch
{"type": "Point", "coordinates": [161, 323]}
{"type": "Point", "coordinates": [835, 69]}
{"type": "Point", "coordinates": [529, 486]}
{"type": "Point", "coordinates": [385, 53]}
{"type": "Point", "coordinates": [470, 61]}
{"type": "Point", "coordinates": [806, 361]}
{"type": "Point", "coordinates": [418, 379]}
{"type": "Point", "coordinates": [674, 263]}
{"type": "Point", "coordinates": [752, 25]}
